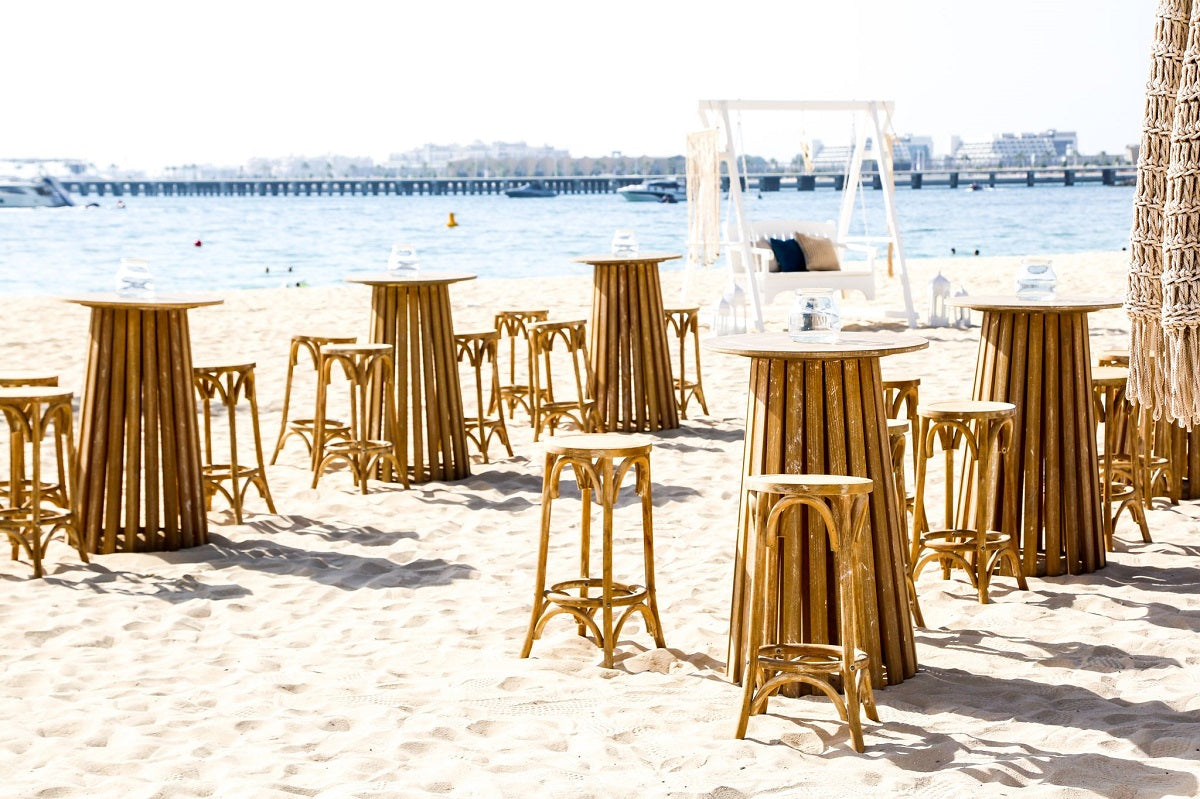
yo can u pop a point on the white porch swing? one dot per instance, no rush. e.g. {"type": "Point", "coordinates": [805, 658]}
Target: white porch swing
{"type": "Point", "coordinates": [748, 262]}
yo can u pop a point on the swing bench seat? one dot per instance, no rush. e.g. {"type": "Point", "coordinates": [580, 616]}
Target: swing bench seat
{"type": "Point", "coordinates": [832, 271]}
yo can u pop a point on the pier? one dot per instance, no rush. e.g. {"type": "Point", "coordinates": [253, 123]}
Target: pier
{"type": "Point", "coordinates": [959, 178]}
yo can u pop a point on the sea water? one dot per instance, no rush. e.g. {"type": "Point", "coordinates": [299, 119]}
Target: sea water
{"type": "Point", "coordinates": [218, 243]}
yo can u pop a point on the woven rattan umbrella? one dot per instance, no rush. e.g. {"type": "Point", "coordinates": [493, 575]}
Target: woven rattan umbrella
{"type": "Point", "coordinates": [1163, 294]}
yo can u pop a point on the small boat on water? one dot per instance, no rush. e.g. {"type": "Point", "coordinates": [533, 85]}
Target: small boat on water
{"type": "Point", "coordinates": [533, 188]}
{"type": "Point", "coordinates": [660, 190]}
{"type": "Point", "coordinates": [45, 192]}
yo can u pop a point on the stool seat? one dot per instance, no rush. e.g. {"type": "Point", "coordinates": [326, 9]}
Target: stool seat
{"type": "Point", "coordinates": [26, 377]}
{"type": "Point", "coordinates": [600, 464]}
{"type": "Point", "coordinates": [774, 658]}
{"type": "Point", "coordinates": [1110, 376]}
{"type": "Point", "coordinates": [597, 445]}
{"type": "Point", "coordinates": [967, 409]}
{"type": "Point", "coordinates": [1113, 357]}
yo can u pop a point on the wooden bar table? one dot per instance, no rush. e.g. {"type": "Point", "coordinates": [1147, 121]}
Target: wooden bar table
{"type": "Point", "coordinates": [1035, 354]}
{"type": "Point", "coordinates": [818, 408]}
{"type": "Point", "coordinates": [627, 344]}
{"type": "Point", "coordinates": [139, 482]}
{"type": "Point", "coordinates": [412, 313]}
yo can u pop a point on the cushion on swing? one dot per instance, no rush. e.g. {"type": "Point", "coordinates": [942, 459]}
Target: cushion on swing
{"type": "Point", "coordinates": [819, 253]}
{"type": "Point", "coordinates": [789, 254]}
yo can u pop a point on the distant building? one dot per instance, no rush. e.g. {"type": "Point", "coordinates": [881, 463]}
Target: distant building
{"type": "Point", "coordinates": [439, 156]}
{"type": "Point", "coordinates": [1015, 149]}
{"type": "Point", "coordinates": [908, 153]}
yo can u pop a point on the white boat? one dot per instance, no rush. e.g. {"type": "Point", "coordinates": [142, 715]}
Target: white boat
{"type": "Point", "coordinates": [660, 190]}
{"type": "Point", "coordinates": [44, 192]}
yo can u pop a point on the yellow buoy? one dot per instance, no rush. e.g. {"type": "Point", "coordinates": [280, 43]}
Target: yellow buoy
{"type": "Point", "coordinates": [451, 222]}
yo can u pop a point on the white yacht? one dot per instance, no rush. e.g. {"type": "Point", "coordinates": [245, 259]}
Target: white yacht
{"type": "Point", "coordinates": [659, 190]}
{"type": "Point", "coordinates": [44, 192]}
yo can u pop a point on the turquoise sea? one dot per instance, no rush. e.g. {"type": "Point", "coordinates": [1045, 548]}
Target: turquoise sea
{"type": "Point", "coordinates": [248, 242]}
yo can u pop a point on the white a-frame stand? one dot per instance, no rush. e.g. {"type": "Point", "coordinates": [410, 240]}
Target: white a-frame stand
{"type": "Point", "coordinates": [874, 119]}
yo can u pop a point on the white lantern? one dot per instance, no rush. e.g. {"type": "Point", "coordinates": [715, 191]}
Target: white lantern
{"type": "Point", "coordinates": [730, 315]}
{"type": "Point", "coordinates": [962, 314]}
{"type": "Point", "coordinates": [939, 292]}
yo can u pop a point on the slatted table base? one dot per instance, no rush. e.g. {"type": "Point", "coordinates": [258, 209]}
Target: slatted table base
{"type": "Point", "coordinates": [627, 345]}
{"type": "Point", "coordinates": [415, 319]}
{"type": "Point", "coordinates": [1040, 361]}
{"type": "Point", "coordinates": [139, 449]}
{"type": "Point", "coordinates": [828, 417]}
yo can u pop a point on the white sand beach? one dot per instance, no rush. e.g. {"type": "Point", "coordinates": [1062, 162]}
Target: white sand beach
{"type": "Point", "coordinates": [368, 646]}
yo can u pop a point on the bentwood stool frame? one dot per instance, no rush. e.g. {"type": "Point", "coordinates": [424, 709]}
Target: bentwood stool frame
{"type": "Point", "coordinates": [600, 463]}
{"type": "Point", "coordinates": [31, 516]}
{"type": "Point", "coordinates": [684, 323]}
{"type": "Point", "coordinates": [1124, 473]}
{"type": "Point", "coordinates": [226, 384]}
{"type": "Point", "coordinates": [479, 350]}
{"type": "Point", "coordinates": [548, 409]}
{"type": "Point", "coordinates": [334, 428]}
{"type": "Point", "coordinates": [513, 327]}
{"type": "Point", "coordinates": [838, 504]}
{"type": "Point", "coordinates": [56, 492]}
{"type": "Point", "coordinates": [368, 372]}
{"type": "Point", "coordinates": [983, 432]}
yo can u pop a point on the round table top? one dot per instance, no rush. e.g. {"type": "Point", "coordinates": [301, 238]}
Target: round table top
{"type": "Point", "coordinates": [616, 260]}
{"type": "Point", "coordinates": [154, 302]}
{"type": "Point", "coordinates": [402, 279]}
{"type": "Point", "coordinates": [1014, 304]}
{"type": "Point", "coordinates": [848, 345]}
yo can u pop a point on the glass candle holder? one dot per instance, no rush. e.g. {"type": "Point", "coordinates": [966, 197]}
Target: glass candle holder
{"type": "Point", "coordinates": [624, 242]}
{"type": "Point", "coordinates": [403, 260]}
{"type": "Point", "coordinates": [1036, 279]}
{"type": "Point", "coordinates": [815, 318]}
{"type": "Point", "coordinates": [134, 279]}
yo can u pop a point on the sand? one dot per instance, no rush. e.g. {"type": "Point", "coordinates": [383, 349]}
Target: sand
{"type": "Point", "coordinates": [367, 646]}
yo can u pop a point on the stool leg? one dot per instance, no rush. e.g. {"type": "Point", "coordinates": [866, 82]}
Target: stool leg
{"type": "Point", "coordinates": [293, 353]}
{"type": "Point", "coordinates": [549, 493]}
{"type": "Point", "coordinates": [260, 477]}
{"type": "Point", "coordinates": [642, 476]}
{"type": "Point", "coordinates": [608, 498]}
{"type": "Point", "coordinates": [318, 439]}
{"type": "Point", "coordinates": [585, 549]}
{"type": "Point", "coordinates": [753, 635]}
{"type": "Point", "coordinates": [698, 391]}
{"type": "Point", "coordinates": [231, 414]}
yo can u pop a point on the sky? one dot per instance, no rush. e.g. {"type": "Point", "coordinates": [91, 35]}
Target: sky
{"type": "Point", "coordinates": [150, 84]}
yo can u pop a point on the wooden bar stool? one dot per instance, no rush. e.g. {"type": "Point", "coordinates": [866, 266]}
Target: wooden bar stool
{"type": "Point", "coordinates": [513, 327]}
{"type": "Point", "coordinates": [480, 348]}
{"type": "Point", "coordinates": [1122, 471]}
{"type": "Point", "coordinates": [227, 385]}
{"type": "Point", "coordinates": [983, 430]}
{"type": "Point", "coordinates": [31, 516]}
{"type": "Point", "coordinates": [548, 409]}
{"type": "Point", "coordinates": [897, 432]}
{"type": "Point", "coordinates": [334, 428]}
{"type": "Point", "coordinates": [838, 505]}
{"type": "Point", "coordinates": [901, 396]}
{"type": "Point", "coordinates": [591, 458]}
{"type": "Point", "coordinates": [57, 492]}
{"type": "Point", "coordinates": [685, 323]}
{"type": "Point", "coordinates": [369, 375]}
{"type": "Point", "coordinates": [1166, 446]}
